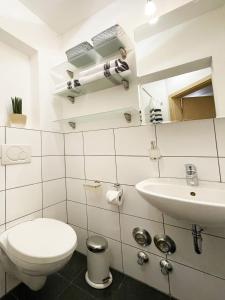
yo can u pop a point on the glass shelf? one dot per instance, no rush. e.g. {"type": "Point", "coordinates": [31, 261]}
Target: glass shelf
{"type": "Point", "coordinates": [95, 86]}
{"type": "Point", "coordinates": [126, 112]}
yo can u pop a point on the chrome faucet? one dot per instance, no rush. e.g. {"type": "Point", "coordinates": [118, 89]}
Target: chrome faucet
{"type": "Point", "coordinates": [191, 174]}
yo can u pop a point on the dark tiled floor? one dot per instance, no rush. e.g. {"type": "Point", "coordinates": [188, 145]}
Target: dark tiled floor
{"type": "Point", "coordinates": [69, 284]}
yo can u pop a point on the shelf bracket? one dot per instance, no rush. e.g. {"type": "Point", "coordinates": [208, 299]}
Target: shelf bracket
{"type": "Point", "coordinates": [70, 73]}
{"type": "Point", "coordinates": [123, 52]}
{"type": "Point", "coordinates": [72, 125]}
{"type": "Point", "coordinates": [127, 117]}
{"type": "Point", "coordinates": [71, 99]}
{"type": "Point", "coordinates": [125, 84]}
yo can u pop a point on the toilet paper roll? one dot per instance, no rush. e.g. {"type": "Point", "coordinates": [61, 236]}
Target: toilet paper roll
{"type": "Point", "coordinates": [115, 197]}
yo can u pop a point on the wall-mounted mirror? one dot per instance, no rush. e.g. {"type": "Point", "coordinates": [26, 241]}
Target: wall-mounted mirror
{"type": "Point", "coordinates": [188, 96]}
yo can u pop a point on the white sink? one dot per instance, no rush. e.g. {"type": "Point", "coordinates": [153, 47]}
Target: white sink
{"type": "Point", "coordinates": [202, 205]}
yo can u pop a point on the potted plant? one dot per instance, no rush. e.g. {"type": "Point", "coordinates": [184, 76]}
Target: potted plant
{"type": "Point", "coordinates": [17, 117]}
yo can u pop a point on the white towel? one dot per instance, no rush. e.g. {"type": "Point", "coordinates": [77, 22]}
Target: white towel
{"type": "Point", "coordinates": [94, 77]}
{"type": "Point", "coordinates": [108, 65]}
{"type": "Point", "coordinates": [97, 68]}
{"type": "Point", "coordinates": [115, 71]}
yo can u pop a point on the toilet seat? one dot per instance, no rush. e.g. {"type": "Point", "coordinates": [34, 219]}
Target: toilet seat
{"type": "Point", "coordinates": [41, 241]}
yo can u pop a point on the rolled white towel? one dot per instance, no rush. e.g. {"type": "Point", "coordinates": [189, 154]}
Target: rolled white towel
{"type": "Point", "coordinates": [108, 65]}
{"type": "Point", "coordinates": [98, 68]}
{"type": "Point", "coordinates": [88, 79]}
{"type": "Point", "coordinates": [115, 71]}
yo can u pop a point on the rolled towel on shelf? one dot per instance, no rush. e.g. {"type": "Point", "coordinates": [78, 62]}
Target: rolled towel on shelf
{"type": "Point", "coordinates": [122, 69]}
{"type": "Point", "coordinates": [101, 67]}
{"type": "Point", "coordinates": [116, 71]}
{"type": "Point", "coordinates": [156, 115]}
{"type": "Point", "coordinates": [94, 77]}
{"type": "Point", "coordinates": [76, 83]}
{"type": "Point", "coordinates": [98, 68]}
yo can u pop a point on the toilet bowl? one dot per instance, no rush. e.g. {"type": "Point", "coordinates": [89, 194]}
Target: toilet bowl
{"type": "Point", "coordinates": [34, 249]}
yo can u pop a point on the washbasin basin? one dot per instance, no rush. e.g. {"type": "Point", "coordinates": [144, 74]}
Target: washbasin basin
{"type": "Point", "coordinates": [203, 204]}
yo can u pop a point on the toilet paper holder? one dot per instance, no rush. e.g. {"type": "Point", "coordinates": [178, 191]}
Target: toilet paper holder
{"type": "Point", "coordinates": [115, 195]}
{"type": "Point", "coordinates": [118, 187]}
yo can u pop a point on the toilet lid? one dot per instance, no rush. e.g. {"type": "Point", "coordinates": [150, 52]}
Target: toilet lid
{"type": "Point", "coordinates": [41, 241]}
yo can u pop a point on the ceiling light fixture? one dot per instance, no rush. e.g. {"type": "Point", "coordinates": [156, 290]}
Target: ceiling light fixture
{"type": "Point", "coordinates": [151, 11]}
{"type": "Point", "coordinates": [150, 8]}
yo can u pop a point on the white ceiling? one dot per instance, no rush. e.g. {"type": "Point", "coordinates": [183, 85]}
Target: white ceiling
{"type": "Point", "coordinates": [61, 15]}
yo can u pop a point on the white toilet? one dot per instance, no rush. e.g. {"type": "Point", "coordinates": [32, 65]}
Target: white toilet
{"type": "Point", "coordinates": [34, 249]}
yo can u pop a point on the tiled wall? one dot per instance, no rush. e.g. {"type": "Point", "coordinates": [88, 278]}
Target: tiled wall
{"type": "Point", "coordinates": [32, 190]}
{"type": "Point", "coordinates": [122, 156]}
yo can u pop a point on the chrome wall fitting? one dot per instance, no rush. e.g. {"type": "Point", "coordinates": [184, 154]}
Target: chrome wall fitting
{"type": "Point", "coordinates": [142, 258]}
{"type": "Point", "coordinates": [126, 84]}
{"type": "Point", "coordinates": [165, 244]}
{"type": "Point", "coordinates": [71, 99]}
{"type": "Point", "coordinates": [70, 73]}
{"type": "Point", "coordinates": [142, 237]}
{"type": "Point", "coordinates": [123, 52]}
{"type": "Point", "coordinates": [166, 267]}
{"type": "Point", "coordinates": [197, 238]}
{"type": "Point", "coordinates": [128, 117]}
{"type": "Point", "coordinates": [72, 125]}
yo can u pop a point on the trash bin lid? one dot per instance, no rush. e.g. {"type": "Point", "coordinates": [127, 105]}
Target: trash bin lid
{"type": "Point", "coordinates": [97, 243]}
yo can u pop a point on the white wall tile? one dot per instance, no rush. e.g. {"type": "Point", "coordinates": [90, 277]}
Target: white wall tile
{"type": "Point", "coordinates": [175, 222]}
{"type": "Point", "coordinates": [54, 191]}
{"type": "Point", "coordinates": [23, 174]}
{"type": "Point", "coordinates": [134, 204]}
{"type": "Point", "coordinates": [52, 143]}
{"type": "Point", "coordinates": [115, 253]}
{"type": "Point", "coordinates": [222, 168]}
{"type": "Point", "coordinates": [53, 167]}
{"type": "Point", "coordinates": [2, 271]}
{"type": "Point", "coordinates": [99, 142]}
{"type": "Point", "coordinates": [2, 138]}
{"type": "Point", "coordinates": [134, 140]}
{"type": "Point", "coordinates": [23, 201]}
{"type": "Point", "coordinates": [2, 177]}
{"type": "Point", "coordinates": [77, 214]}
{"type": "Point", "coordinates": [35, 215]}
{"type": "Point", "coordinates": [97, 196]}
{"type": "Point", "coordinates": [74, 144]}
{"type": "Point", "coordinates": [100, 168]}
{"type": "Point", "coordinates": [57, 211]}
{"type": "Point", "coordinates": [210, 259]}
{"type": "Point", "coordinates": [75, 190]}
{"type": "Point", "coordinates": [81, 238]}
{"type": "Point", "coordinates": [149, 273]}
{"type": "Point", "coordinates": [25, 137]}
{"type": "Point", "coordinates": [2, 281]}
{"type": "Point", "coordinates": [190, 138]}
{"type": "Point", "coordinates": [104, 222]}
{"type": "Point", "coordinates": [2, 208]}
{"type": "Point", "coordinates": [132, 170]}
{"type": "Point", "coordinates": [216, 231]}
{"type": "Point", "coordinates": [207, 168]}
{"type": "Point", "coordinates": [128, 223]}
{"type": "Point", "coordinates": [186, 284]}
{"type": "Point", "coordinates": [220, 129]}
{"type": "Point", "coordinates": [75, 167]}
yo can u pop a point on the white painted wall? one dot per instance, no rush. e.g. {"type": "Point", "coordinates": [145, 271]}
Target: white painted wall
{"type": "Point", "coordinates": [21, 24]}
{"type": "Point", "coordinates": [15, 78]}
